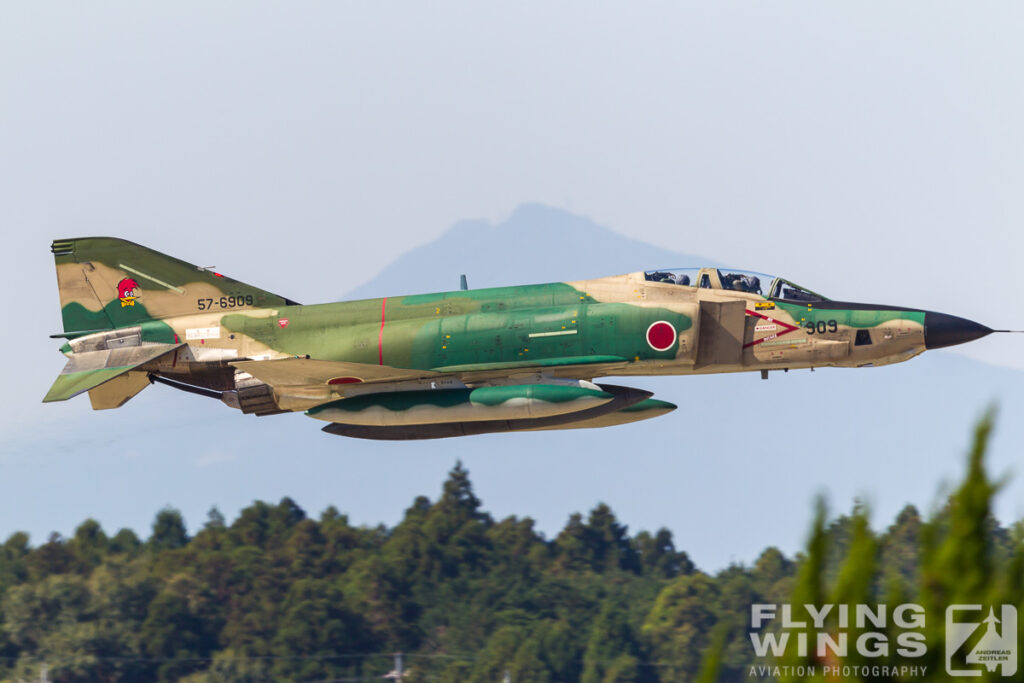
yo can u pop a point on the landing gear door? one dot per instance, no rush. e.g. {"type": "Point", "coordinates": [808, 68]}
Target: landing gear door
{"type": "Point", "coordinates": [721, 333]}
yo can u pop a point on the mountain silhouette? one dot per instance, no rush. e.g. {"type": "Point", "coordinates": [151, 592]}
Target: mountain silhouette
{"type": "Point", "coordinates": [536, 243]}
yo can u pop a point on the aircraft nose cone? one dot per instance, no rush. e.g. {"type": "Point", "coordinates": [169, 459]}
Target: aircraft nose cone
{"type": "Point", "coordinates": [948, 330]}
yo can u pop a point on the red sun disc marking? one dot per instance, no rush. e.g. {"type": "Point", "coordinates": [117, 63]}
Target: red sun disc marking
{"type": "Point", "coordinates": [661, 336]}
{"type": "Point", "coordinates": [282, 323]}
{"type": "Point", "coordinates": [344, 380]}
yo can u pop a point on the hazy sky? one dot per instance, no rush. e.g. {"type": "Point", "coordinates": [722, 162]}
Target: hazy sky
{"type": "Point", "coordinates": [872, 151]}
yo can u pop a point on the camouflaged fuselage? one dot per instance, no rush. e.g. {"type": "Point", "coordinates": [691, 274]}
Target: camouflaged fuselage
{"type": "Point", "coordinates": [190, 325]}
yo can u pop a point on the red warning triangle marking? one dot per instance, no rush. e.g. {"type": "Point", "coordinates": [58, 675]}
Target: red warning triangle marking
{"type": "Point", "coordinates": [788, 328]}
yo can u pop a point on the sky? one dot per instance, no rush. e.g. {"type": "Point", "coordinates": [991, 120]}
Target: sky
{"type": "Point", "coordinates": [870, 152]}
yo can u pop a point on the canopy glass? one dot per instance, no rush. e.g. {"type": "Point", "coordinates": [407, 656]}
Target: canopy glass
{"type": "Point", "coordinates": [768, 286]}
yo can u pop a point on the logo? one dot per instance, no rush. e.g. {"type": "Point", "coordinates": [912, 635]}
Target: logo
{"type": "Point", "coordinates": [995, 648]}
{"type": "Point", "coordinates": [282, 323]}
{"type": "Point", "coordinates": [126, 291]}
{"type": "Point", "coordinates": [980, 641]}
{"type": "Point", "coordinates": [764, 306]}
{"type": "Point", "coordinates": [830, 633]}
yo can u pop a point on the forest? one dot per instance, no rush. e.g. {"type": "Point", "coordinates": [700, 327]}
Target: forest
{"type": "Point", "coordinates": [278, 595]}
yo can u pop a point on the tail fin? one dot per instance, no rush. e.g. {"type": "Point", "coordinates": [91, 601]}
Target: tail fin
{"type": "Point", "coordinates": [107, 283]}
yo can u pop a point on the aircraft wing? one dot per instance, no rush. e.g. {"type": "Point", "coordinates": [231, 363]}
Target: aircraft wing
{"type": "Point", "coordinates": [89, 369]}
{"type": "Point", "coordinates": [297, 372]}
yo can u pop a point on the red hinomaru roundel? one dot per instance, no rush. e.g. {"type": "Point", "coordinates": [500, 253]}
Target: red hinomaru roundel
{"type": "Point", "coordinates": [661, 336]}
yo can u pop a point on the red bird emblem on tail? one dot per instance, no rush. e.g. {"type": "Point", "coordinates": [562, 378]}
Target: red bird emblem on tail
{"type": "Point", "coordinates": [126, 291]}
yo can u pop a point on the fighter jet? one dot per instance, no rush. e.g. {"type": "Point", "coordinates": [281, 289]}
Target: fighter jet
{"type": "Point", "coordinates": [456, 363]}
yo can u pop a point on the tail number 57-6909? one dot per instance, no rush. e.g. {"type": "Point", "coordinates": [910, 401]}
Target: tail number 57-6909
{"type": "Point", "coordinates": [233, 301]}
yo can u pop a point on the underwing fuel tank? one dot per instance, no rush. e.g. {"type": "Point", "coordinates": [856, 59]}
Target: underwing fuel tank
{"type": "Point", "coordinates": [622, 399]}
{"type": "Point", "coordinates": [516, 402]}
{"type": "Point", "coordinates": [644, 410]}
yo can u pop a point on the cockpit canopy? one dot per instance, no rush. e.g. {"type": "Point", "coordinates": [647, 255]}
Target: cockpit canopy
{"type": "Point", "coordinates": [768, 286]}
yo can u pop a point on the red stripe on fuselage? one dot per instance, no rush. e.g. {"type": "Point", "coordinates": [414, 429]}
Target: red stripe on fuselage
{"type": "Point", "coordinates": [380, 337]}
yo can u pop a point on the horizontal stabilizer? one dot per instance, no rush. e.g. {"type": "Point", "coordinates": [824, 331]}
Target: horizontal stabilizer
{"type": "Point", "coordinates": [116, 392]}
{"type": "Point", "coordinates": [90, 369]}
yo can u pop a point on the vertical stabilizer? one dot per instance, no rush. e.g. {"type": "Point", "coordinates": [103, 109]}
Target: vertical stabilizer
{"type": "Point", "coordinates": [107, 283]}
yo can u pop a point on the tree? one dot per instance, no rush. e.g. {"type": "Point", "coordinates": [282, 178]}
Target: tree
{"type": "Point", "coordinates": [13, 552]}
{"type": "Point", "coordinates": [498, 655]}
{"type": "Point", "coordinates": [658, 555]}
{"type": "Point", "coordinates": [809, 588]}
{"type": "Point", "coordinates": [600, 544]}
{"type": "Point", "coordinates": [612, 649]}
{"type": "Point", "coordinates": [608, 542]}
{"type": "Point", "coordinates": [856, 583]}
{"type": "Point", "coordinates": [52, 557]}
{"type": "Point", "coordinates": [214, 519]}
{"type": "Point", "coordinates": [772, 575]}
{"type": "Point", "coordinates": [957, 558]}
{"type": "Point", "coordinates": [279, 596]}
{"type": "Point", "coordinates": [173, 632]}
{"type": "Point", "coordinates": [168, 531]}
{"type": "Point", "coordinates": [679, 624]}
{"type": "Point", "coordinates": [899, 545]}
{"type": "Point", "coordinates": [125, 541]}
{"type": "Point", "coordinates": [316, 630]}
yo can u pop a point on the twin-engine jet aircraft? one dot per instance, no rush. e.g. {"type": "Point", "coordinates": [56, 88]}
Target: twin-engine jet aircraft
{"type": "Point", "coordinates": [453, 363]}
